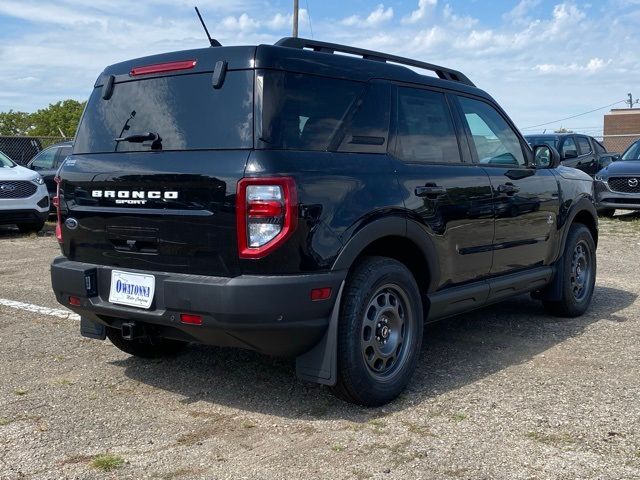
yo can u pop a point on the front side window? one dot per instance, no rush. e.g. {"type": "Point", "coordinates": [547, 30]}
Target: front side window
{"type": "Point", "coordinates": [44, 160]}
{"type": "Point", "coordinates": [495, 141]}
{"type": "Point", "coordinates": [585, 146]}
{"type": "Point", "coordinates": [599, 147]}
{"type": "Point", "coordinates": [425, 131]}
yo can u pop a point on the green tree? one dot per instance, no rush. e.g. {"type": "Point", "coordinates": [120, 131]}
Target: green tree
{"type": "Point", "coordinates": [14, 123]}
{"type": "Point", "coordinates": [57, 118]}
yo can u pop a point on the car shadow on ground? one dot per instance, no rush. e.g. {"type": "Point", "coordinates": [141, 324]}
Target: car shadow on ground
{"type": "Point", "coordinates": [11, 231]}
{"type": "Point", "coordinates": [456, 352]}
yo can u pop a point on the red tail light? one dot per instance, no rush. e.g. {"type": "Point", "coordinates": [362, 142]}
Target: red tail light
{"type": "Point", "coordinates": [163, 67]}
{"type": "Point", "coordinates": [56, 203]}
{"type": "Point", "coordinates": [266, 214]}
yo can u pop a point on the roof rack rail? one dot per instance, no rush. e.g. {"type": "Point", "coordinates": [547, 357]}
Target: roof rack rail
{"type": "Point", "coordinates": [326, 47]}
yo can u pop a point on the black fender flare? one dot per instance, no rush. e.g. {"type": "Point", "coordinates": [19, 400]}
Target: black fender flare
{"type": "Point", "coordinates": [391, 226]}
{"type": "Point", "coordinates": [584, 204]}
{"type": "Point", "coordinates": [553, 291]}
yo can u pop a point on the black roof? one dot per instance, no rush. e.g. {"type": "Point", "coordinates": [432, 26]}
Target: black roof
{"type": "Point", "coordinates": [307, 56]}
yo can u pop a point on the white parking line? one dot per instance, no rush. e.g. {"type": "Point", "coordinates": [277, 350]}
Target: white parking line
{"type": "Point", "coordinates": [52, 312]}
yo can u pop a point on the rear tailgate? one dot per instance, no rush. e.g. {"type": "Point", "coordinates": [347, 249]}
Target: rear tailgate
{"type": "Point", "coordinates": [165, 203]}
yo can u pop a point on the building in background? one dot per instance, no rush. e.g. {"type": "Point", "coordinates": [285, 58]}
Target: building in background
{"type": "Point", "coordinates": [621, 128]}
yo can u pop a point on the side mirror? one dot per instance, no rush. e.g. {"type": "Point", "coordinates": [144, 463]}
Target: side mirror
{"type": "Point", "coordinates": [570, 154]}
{"type": "Point", "coordinates": [545, 156]}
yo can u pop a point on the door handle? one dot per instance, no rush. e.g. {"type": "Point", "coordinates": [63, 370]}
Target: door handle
{"type": "Point", "coordinates": [430, 191]}
{"type": "Point", "coordinates": [508, 188]}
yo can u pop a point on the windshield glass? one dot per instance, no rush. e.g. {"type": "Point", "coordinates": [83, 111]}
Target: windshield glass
{"type": "Point", "coordinates": [551, 141]}
{"type": "Point", "coordinates": [6, 162]}
{"type": "Point", "coordinates": [184, 111]}
{"type": "Point", "coordinates": [633, 152]}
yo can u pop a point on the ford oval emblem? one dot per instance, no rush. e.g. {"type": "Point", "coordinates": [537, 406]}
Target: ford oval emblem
{"type": "Point", "coordinates": [71, 223]}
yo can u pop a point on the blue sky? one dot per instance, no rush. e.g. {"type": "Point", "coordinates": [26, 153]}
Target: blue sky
{"type": "Point", "coordinates": [542, 60]}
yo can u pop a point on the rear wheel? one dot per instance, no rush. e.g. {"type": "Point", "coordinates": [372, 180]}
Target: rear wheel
{"type": "Point", "coordinates": [145, 347]}
{"type": "Point", "coordinates": [380, 332]}
{"type": "Point", "coordinates": [31, 227]}
{"type": "Point", "coordinates": [606, 212]}
{"type": "Point", "coordinates": [577, 275]}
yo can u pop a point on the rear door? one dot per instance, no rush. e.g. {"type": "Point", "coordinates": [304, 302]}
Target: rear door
{"type": "Point", "coordinates": [156, 161]}
{"type": "Point", "coordinates": [526, 200]}
{"type": "Point", "coordinates": [447, 195]}
{"type": "Point", "coordinates": [586, 156]}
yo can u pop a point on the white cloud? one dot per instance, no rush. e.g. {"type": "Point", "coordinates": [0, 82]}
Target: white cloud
{"type": "Point", "coordinates": [594, 65]}
{"type": "Point", "coordinates": [424, 7]}
{"type": "Point", "coordinates": [518, 14]}
{"type": "Point", "coordinates": [376, 17]}
{"type": "Point", "coordinates": [243, 23]}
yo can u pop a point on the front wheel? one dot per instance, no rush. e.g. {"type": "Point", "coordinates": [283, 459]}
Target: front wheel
{"type": "Point", "coordinates": [145, 347]}
{"type": "Point", "coordinates": [577, 275]}
{"type": "Point", "coordinates": [380, 332]}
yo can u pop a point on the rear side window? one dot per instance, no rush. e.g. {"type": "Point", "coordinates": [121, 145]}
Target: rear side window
{"type": "Point", "coordinates": [184, 110]}
{"type": "Point", "coordinates": [425, 131]}
{"type": "Point", "coordinates": [585, 146]}
{"type": "Point", "coordinates": [367, 130]}
{"type": "Point", "coordinates": [302, 112]}
{"type": "Point", "coordinates": [569, 145]}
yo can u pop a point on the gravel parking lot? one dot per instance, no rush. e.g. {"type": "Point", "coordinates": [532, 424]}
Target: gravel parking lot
{"type": "Point", "coordinates": [506, 392]}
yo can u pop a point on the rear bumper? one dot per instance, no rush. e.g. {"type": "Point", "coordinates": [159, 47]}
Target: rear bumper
{"type": "Point", "coordinates": [270, 314]}
{"type": "Point", "coordinates": [10, 217]}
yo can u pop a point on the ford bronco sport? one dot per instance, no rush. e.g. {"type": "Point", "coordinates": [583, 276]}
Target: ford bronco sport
{"type": "Point", "coordinates": [297, 201]}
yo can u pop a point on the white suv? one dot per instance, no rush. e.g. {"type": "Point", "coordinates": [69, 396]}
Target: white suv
{"type": "Point", "coordinates": [24, 200]}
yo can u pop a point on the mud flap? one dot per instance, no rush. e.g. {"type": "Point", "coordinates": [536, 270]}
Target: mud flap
{"type": "Point", "coordinates": [319, 364]}
{"type": "Point", "coordinates": [90, 329]}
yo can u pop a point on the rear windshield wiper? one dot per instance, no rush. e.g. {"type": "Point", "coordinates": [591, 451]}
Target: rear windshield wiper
{"type": "Point", "coordinates": [154, 138]}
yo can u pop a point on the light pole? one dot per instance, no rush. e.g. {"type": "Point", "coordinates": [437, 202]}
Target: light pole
{"type": "Point", "coordinates": [295, 18]}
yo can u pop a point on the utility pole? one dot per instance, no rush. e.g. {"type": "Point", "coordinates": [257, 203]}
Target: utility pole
{"type": "Point", "coordinates": [631, 102]}
{"type": "Point", "coordinates": [295, 18]}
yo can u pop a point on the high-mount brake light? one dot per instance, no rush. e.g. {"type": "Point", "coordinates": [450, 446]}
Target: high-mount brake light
{"type": "Point", "coordinates": [163, 67]}
{"type": "Point", "coordinates": [56, 203]}
{"type": "Point", "coordinates": [266, 214]}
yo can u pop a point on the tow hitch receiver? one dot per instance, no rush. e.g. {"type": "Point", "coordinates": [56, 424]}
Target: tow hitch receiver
{"type": "Point", "coordinates": [129, 330]}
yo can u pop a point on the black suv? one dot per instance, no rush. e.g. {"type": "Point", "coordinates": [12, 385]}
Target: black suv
{"type": "Point", "coordinates": [576, 150]}
{"type": "Point", "coordinates": [296, 201]}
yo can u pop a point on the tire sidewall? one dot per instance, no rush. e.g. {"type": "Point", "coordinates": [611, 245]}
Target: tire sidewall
{"type": "Point", "coordinates": [579, 233]}
{"type": "Point", "coordinates": [380, 389]}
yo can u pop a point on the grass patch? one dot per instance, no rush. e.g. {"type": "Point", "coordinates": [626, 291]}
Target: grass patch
{"type": "Point", "coordinates": [336, 447]}
{"type": "Point", "coordinates": [4, 421]}
{"type": "Point", "coordinates": [248, 424]}
{"type": "Point", "coordinates": [20, 391]}
{"type": "Point", "coordinates": [553, 439]}
{"type": "Point", "coordinates": [64, 381]}
{"type": "Point", "coordinates": [458, 417]}
{"type": "Point", "coordinates": [107, 462]}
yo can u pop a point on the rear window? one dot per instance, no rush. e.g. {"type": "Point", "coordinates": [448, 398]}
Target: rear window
{"type": "Point", "coordinates": [184, 110]}
{"type": "Point", "coordinates": [304, 112]}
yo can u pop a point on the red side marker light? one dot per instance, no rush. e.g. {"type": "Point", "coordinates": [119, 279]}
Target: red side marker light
{"type": "Point", "coordinates": [75, 301]}
{"type": "Point", "coordinates": [320, 294]}
{"type": "Point", "coordinates": [191, 319]}
{"type": "Point", "coordinates": [163, 67]}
